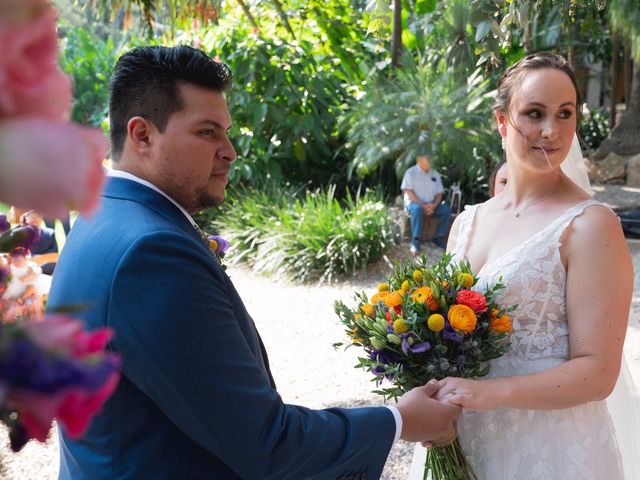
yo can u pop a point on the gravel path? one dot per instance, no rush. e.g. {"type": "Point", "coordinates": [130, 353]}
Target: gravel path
{"type": "Point", "coordinates": [298, 326]}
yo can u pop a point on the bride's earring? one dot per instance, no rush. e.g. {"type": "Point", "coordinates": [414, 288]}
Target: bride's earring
{"type": "Point", "coordinates": [503, 146]}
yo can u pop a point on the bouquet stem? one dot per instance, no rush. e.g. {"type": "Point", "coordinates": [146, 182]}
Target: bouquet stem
{"type": "Point", "coordinates": [447, 463]}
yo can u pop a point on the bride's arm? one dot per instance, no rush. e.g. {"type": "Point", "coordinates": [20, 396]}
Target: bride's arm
{"type": "Point", "coordinates": [598, 296]}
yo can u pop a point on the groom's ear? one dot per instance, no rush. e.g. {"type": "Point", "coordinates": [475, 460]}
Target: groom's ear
{"type": "Point", "coordinates": [138, 131]}
{"type": "Point", "coordinates": [501, 120]}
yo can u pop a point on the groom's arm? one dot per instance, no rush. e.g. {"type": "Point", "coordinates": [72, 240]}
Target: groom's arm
{"type": "Point", "coordinates": [182, 345]}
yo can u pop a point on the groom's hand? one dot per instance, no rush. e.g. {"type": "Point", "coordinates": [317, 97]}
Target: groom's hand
{"type": "Point", "coordinates": [423, 417]}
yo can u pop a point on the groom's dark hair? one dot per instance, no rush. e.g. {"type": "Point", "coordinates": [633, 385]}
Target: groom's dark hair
{"type": "Point", "coordinates": [146, 80]}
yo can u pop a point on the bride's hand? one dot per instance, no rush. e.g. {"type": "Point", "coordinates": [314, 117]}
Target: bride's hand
{"type": "Point", "coordinates": [470, 394]}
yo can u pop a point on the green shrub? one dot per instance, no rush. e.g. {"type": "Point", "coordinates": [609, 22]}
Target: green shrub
{"type": "Point", "coordinates": [594, 127]}
{"type": "Point", "coordinates": [304, 236]}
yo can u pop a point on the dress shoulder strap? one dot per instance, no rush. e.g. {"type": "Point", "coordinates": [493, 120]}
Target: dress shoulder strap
{"type": "Point", "coordinates": [561, 224]}
{"type": "Point", "coordinates": [464, 229]}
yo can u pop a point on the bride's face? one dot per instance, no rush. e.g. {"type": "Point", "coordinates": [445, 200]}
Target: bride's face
{"type": "Point", "coordinates": [539, 127]}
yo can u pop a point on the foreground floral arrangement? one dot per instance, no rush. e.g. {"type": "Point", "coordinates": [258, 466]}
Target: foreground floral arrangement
{"type": "Point", "coordinates": [425, 323]}
{"type": "Point", "coordinates": [50, 368]}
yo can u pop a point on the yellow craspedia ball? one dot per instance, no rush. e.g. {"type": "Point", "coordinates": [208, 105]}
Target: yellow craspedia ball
{"type": "Point", "coordinates": [368, 309]}
{"type": "Point", "coordinates": [213, 245]}
{"type": "Point", "coordinates": [436, 322]}
{"type": "Point", "coordinates": [465, 279]}
{"type": "Point", "coordinates": [406, 286]}
{"type": "Point", "coordinates": [400, 327]}
{"type": "Point", "coordinates": [383, 287]}
{"type": "Point", "coordinates": [394, 299]}
{"type": "Point", "coordinates": [417, 276]}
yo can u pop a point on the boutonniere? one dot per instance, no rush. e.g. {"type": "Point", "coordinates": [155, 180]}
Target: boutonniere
{"type": "Point", "coordinates": [218, 247]}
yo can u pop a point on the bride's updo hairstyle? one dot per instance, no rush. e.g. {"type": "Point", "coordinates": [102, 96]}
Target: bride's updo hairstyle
{"type": "Point", "coordinates": [512, 78]}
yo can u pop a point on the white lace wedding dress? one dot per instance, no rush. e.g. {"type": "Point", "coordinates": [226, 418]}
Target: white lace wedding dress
{"type": "Point", "coordinates": [576, 443]}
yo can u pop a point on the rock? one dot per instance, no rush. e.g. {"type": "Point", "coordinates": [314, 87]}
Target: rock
{"type": "Point", "coordinates": [633, 171]}
{"type": "Point", "coordinates": [611, 169]}
{"type": "Point", "coordinates": [620, 198]}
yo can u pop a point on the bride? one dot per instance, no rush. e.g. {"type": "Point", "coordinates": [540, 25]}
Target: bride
{"type": "Point", "coordinates": [541, 413]}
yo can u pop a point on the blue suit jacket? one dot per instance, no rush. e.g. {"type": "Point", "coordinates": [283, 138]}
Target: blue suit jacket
{"type": "Point", "coordinates": [196, 399]}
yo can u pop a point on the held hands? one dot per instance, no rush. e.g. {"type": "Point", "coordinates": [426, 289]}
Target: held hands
{"type": "Point", "coordinates": [423, 417]}
{"type": "Point", "coordinates": [471, 394]}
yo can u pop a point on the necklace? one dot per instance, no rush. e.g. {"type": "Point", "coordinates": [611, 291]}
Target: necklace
{"type": "Point", "coordinates": [519, 212]}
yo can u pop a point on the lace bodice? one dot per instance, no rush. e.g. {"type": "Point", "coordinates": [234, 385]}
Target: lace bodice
{"type": "Point", "coordinates": [535, 280]}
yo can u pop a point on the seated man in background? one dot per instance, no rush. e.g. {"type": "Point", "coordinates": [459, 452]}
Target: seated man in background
{"type": "Point", "coordinates": [45, 250]}
{"type": "Point", "coordinates": [423, 192]}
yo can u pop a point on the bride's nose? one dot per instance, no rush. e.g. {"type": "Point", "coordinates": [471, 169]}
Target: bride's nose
{"type": "Point", "coordinates": [548, 129]}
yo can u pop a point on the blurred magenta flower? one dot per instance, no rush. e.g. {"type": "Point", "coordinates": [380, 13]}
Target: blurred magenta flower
{"type": "Point", "coordinates": [54, 369]}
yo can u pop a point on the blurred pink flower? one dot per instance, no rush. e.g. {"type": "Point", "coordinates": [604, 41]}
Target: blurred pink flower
{"type": "Point", "coordinates": [51, 166]}
{"type": "Point", "coordinates": [75, 405]}
{"type": "Point", "coordinates": [74, 408]}
{"type": "Point", "coordinates": [61, 333]}
{"type": "Point", "coordinates": [30, 81]}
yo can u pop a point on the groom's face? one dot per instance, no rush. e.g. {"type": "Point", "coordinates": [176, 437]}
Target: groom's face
{"type": "Point", "coordinates": [193, 155]}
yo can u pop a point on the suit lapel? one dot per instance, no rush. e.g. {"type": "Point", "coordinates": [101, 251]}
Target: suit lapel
{"type": "Point", "coordinates": [126, 189]}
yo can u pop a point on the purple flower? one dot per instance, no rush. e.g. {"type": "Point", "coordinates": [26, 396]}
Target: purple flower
{"type": "Point", "coordinates": [26, 366]}
{"type": "Point", "coordinates": [450, 334]}
{"type": "Point", "coordinates": [416, 348]}
{"type": "Point", "coordinates": [223, 245]}
{"type": "Point", "coordinates": [385, 356]}
{"type": "Point", "coordinates": [4, 223]}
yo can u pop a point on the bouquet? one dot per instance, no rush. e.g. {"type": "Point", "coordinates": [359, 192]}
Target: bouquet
{"type": "Point", "coordinates": [53, 369]}
{"type": "Point", "coordinates": [49, 367]}
{"type": "Point", "coordinates": [425, 323]}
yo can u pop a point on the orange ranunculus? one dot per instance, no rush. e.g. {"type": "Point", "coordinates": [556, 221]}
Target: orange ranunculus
{"type": "Point", "coordinates": [462, 318]}
{"type": "Point", "coordinates": [493, 314]}
{"type": "Point", "coordinates": [423, 295]}
{"type": "Point", "coordinates": [368, 309]}
{"type": "Point", "coordinates": [379, 296]}
{"type": "Point", "coordinates": [394, 299]}
{"type": "Point", "coordinates": [501, 324]}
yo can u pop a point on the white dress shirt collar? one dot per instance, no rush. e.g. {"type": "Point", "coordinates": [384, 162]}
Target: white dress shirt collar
{"type": "Point", "coordinates": [133, 178]}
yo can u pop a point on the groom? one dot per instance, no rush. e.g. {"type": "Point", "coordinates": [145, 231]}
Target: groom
{"type": "Point", "coordinates": [196, 399]}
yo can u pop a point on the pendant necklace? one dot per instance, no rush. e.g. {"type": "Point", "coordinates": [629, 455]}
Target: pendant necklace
{"type": "Point", "coordinates": [519, 212]}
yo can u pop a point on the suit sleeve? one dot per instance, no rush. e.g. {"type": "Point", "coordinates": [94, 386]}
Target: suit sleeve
{"type": "Point", "coordinates": [182, 345]}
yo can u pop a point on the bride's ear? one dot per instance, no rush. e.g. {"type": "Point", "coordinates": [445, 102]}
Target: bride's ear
{"type": "Point", "coordinates": [501, 120]}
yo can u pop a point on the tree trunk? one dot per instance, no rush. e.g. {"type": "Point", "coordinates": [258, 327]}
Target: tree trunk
{"type": "Point", "coordinates": [283, 17]}
{"type": "Point", "coordinates": [528, 41]}
{"type": "Point", "coordinates": [247, 14]}
{"type": "Point", "coordinates": [614, 79]}
{"type": "Point", "coordinates": [628, 74]}
{"type": "Point", "coordinates": [396, 34]}
{"type": "Point", "coordinates": [625, 137]}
